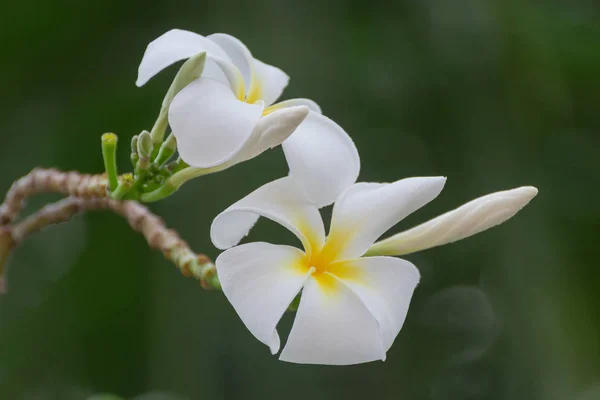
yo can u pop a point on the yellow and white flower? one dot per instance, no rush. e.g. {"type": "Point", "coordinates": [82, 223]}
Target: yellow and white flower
{"type": "Point", "coordinates": [354, 301]}
{"type": "Point", "coordinates": [227, 115]}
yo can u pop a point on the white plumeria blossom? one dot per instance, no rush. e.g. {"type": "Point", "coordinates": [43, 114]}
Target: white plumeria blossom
{"type": "Point", "coordinates": [219, 118]}
{"type": "Point", "coordinates": [352, 306]}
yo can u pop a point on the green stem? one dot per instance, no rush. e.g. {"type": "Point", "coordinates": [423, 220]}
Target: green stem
{"type": "Point", "coordinates": [177, 180]}
{"type": "Point", "coordinates": [167, 149]}
{"type": "Point", "coordinates": [123, 188]}
{"type": "Point", "coordinates": [141, 171]}
{"type": "Point", "coordinates": [162, 192]}
{"type": "Point", "coordinates": [109, 153]}
{"type": "Point", "coordinates": [186, 174]}
{"type": "Point", "coordinates": [176, 166]}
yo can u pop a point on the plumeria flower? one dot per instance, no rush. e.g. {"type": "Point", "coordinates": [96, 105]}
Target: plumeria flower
{"type": "Point", "coordinates": [353, 300]}
{"type": "Point", "coordinates": [226, 116]}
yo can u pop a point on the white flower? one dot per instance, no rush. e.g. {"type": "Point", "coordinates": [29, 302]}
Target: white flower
{"type": "Point", "coordinates": [227, 115]}
{"type": "Point", "coordinates": [352, 307]}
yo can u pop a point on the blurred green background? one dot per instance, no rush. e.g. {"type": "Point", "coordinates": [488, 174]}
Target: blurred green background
{"type": "Point", "coordinates": [492, 94]}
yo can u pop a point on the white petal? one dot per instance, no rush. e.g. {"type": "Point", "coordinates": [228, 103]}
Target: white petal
{"type": "Point", "coordinates": [272, 130]}
{"type": "Point", "coordinates": [270, 82]}
{"type": "Point", "coordinates": [366, 211]}
{"type": "Point", "coordinates": [332, 327]}
{"type": "Point", "coordinates": [210, 124]}
{"type": "Point", "coordinates": [471, 218]}
{"type": "Point", "coordinates": [173, 46]}
{"type": "Point", "coordinates": [385, 285]}
{"type": "Point", "coordinates": [238, 53]}
{"type": "Point", "coordinates": [263, 82]}
{"type": "Point", "coordinates": [322, 159]}
{"type": "Point", "coordinates": [280, 201]}
{"type": "Point", "coordinates": [312, 106]}
{"type": "Point", "coordinates": [260, 280]}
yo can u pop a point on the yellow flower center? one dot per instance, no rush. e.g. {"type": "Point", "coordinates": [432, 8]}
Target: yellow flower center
{"type": "Point", "coordinates": [255, 94]}
{"type": "Point", "coordinates": [326, 269]}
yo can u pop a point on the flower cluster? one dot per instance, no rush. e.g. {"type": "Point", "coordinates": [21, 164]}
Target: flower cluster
{"type": "Point", "coordinates": [223, 110]}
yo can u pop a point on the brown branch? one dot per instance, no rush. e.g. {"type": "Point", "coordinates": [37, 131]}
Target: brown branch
{"type": "Point", "coordinates": [50, 181]}
{"type": "Point", "coordinates": [140, 218]}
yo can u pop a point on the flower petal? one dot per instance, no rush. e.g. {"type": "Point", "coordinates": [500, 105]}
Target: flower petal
{"type": "Point", "coordinates": [260, 280]}
{"type": "Point", "coordinates": [263, 82]}
{"type": "Point", "coordinates": [269, 81]}
{"type": "Point", "coordinates": [173, 46]}
{"type": "Point", "coordinates": [238, 53]}
{"type": "Point", "coordinates": [385, 285]}
{"type": "Point", "coordinates": [210, 124]}
{"type": "Point", "coordinates": [366, 211]}
{"type": "Point", "coordinates": [312, 106]}
{"type": "Point", "coordinates": [332, 327]}
{"type": "Point", "coordinates": [322, 159]}
{"type": "Point", "coordinates": [272, 130]}
{"type": "Point", "coordinates": [280, 201]}
{"type": "Point", "coordinates": [471, 218]}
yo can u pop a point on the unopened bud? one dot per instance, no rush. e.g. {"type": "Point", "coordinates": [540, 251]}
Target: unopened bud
{"type": "Point", "coordinates": [134, 144]}
{"type": "Point", "coordinates": [145, 145]}
{"type": "Point", "coordinates": [134, 159]}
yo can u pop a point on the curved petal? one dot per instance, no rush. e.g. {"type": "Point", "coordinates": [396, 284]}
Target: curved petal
{"type": "Point", "coordinates": [173, 46]}
{"type": "Point", "coordinates": [332, 327]}
{"type": "Point", "coordinates": [385, 285]}
{"type": "Point", "coordinates": [238, 53]}
{"type": "Point", "coordinates": [322, 159]}
{"type": "Point", "coordinates": [232, 75]}
{"type": "Point", "coordinates": [272, 130]}
{"type": "Point", "coordinates": [280, 201]}
{"type": "Point", "coordinates": [263, 82]}
{"type": "Point", "coordinates": [268, 84]}
{"type": "Point", "coordinates": [366, 211]}
{"type": "Point", "coordinates": [469, 219]}
{"type": "Point", "coordinates": [260, 280]}
{"type": "Point", "coordinates": [312, 106]}
{"type": "Point", "coordinates": [210, 124]}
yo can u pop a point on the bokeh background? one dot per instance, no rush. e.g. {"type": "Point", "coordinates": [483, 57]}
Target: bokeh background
{"type": "Point", "coordinates": [493, 94]}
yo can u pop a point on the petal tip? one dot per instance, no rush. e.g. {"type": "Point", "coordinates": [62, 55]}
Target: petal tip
{"type": "Point", "coordinates": [525, 194]}
{"type": "Point", "coordinates": [530, 191]}
{"type": "Point", "coordinates": [296, 114]}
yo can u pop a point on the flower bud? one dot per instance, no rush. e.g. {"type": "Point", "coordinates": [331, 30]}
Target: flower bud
{"type": "Point", "coordinates": [145, 145]}
{"type": "Point", "coordinates": [134, 144]}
